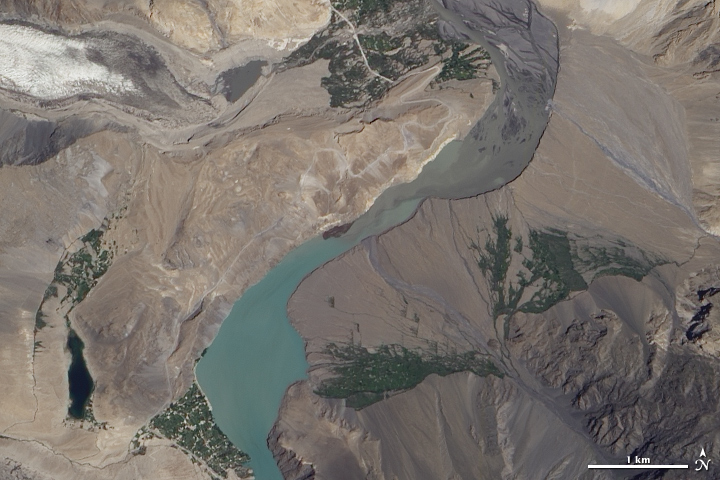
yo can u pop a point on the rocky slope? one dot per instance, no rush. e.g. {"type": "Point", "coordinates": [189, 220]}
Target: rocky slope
{"type": "Point", "coordinates": [586, 282]}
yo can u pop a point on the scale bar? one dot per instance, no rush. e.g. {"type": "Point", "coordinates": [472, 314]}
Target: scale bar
{"type": "Point", "coordinates": [638, 466]}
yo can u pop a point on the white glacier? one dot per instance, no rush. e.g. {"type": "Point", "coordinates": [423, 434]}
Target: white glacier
{"type": "Point", "coordinates": [53, 67]}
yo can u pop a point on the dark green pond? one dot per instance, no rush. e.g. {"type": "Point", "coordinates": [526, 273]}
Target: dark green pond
{"type": "Point", "coordinates": [81, 383]}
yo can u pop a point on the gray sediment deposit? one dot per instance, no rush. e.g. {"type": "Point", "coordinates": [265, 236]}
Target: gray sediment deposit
{"type": "Point", "coordinates": [524, 43]}
{"type": "Point", "coordinates": [524, 47]}
{"type": "Point", "coordinates": [235, 82]}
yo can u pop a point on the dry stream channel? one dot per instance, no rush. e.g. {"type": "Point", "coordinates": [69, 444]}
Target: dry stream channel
{"type": "Point", "coordinates": [257, 354]}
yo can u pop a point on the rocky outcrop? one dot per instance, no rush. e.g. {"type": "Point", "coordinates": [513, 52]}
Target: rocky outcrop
{"type": "Point", "coordinates": [637, 394]}
{"type": "Point", "coordinates": [29, 141]}
{"type": "Point", "coordinates": [289, 464]}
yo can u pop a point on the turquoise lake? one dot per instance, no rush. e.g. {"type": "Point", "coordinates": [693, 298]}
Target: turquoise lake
{"type": "Point", "coordinates": [257, 354]}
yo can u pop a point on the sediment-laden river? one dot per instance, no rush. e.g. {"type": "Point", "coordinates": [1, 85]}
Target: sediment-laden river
{"type": "Point", "coordinates": [257, 354]}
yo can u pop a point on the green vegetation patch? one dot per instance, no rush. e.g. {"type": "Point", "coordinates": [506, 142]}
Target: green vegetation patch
{"type": "Point", "coordinates": [396, 37]}
{"type": "Point", "coordinates": [463, 63]}
{"type": "Point", "coordinates": [363, 378]}
{"type": "Point", "coordinates": [552, 267]}
{"type": "Point", "coordinates": [39, 322]}
{"type": "Point", "coordinates": [381, 43]}
{"type": "Point", "coordinates": [549, 271]}
{"type": "Point", "coordinates": [615, 258]}
{"type": "Point", "coordinates": [363, 11]}
{"type": "Point", "coordinates": [189, 422]}
{"type": "Point", "coordinates": [556, 266]}
{"type": "Point", "coordinates": [80, 271]}
{"type": "Point", "coordinates": [494, 262]}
